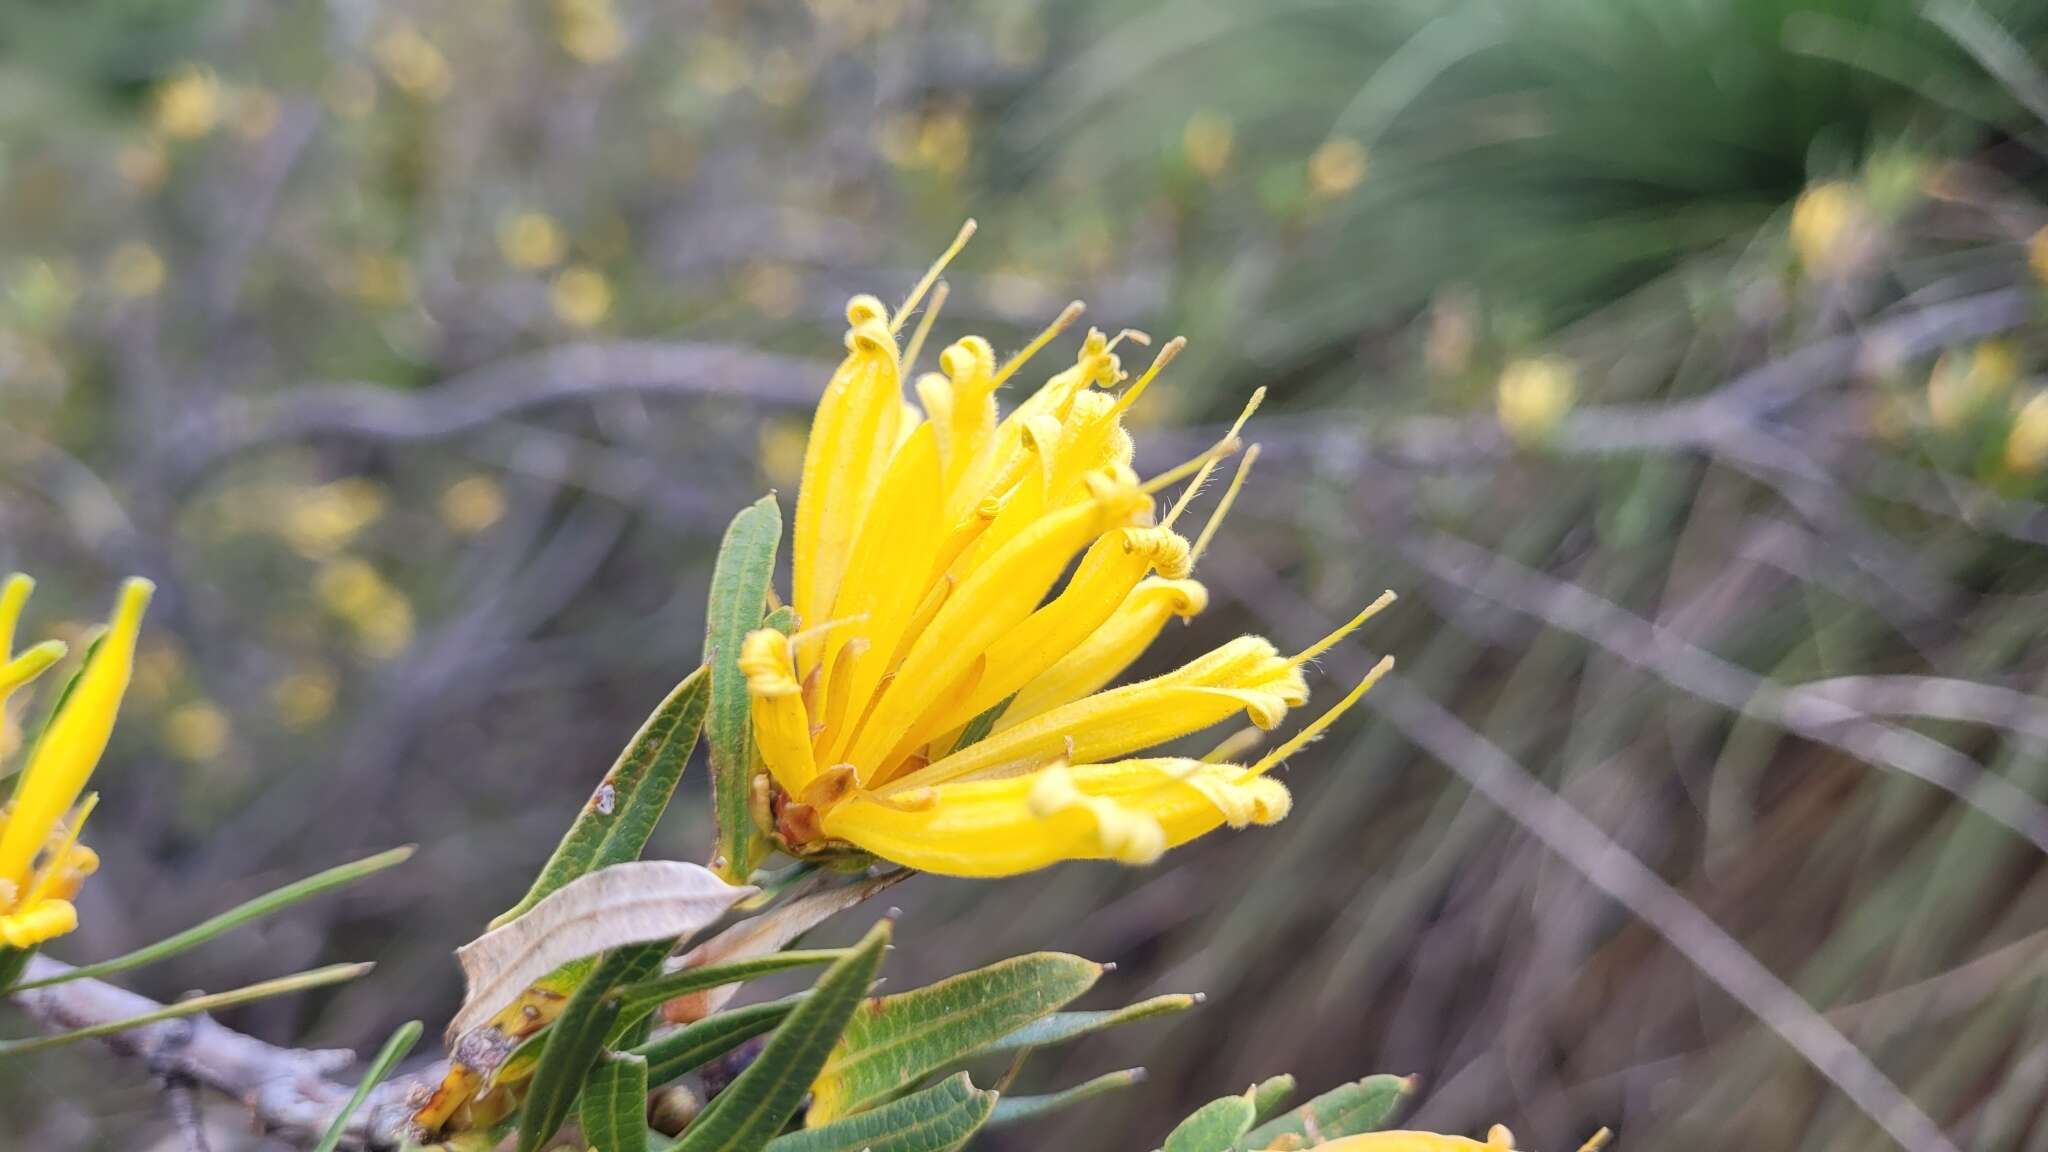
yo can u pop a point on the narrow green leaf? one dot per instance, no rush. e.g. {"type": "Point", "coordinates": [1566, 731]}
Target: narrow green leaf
{"type": "Point", "coordinates": [938, 1119]}
{"type": "Point", "coordinates": [978, 728]}
{"type": "Point", "coordinates": [691, 1047]}
{"type": "Point", "coordinates": [232, 919]}
{"type": "Point", "coordinates": [783, 620]}
{"type": "Point", "coordinates": [739, 595]}
{"type": "Point", "coordinates": [893, 1040]}
{"type": "Point", "coordinates": [394, 1050]}
{"type": "Point", "coordinates": [1270, 1096]}
{"type": "Point", "coordinates": [1061, 1027]}
{"type": "Point", "coordinates": [615, 823]}
{"type": "Point", "coordinates": [1347, 1110]}
{"type": "Point", "coordinates": [574, 1043]}
{"type": "Point", "coordinates": [614, 1105]}
{"type": "Point", "coordinates": [282, 986]}
{"type": "Point", "coordinates": [755, 1106]}
{"type": "Point", "coordinates": [1014, 1109]}
{"type": "Point", "coordinates": [1214, 1127]}
{"type": "Point", "coordinates": [13, 962]}
{"type": "Point", "coordinates": [645, 996]}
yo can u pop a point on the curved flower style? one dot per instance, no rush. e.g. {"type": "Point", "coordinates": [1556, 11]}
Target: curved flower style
{"type": "Point", "coordinates": [943, 707]}
{"type": "Point", "coordinates": [42, 864]}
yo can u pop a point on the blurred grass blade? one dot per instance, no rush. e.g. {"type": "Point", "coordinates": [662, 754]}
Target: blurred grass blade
{"type": "Point", "coordinates": [1347, 1110]}
{"type": "Point", "coordinates": [1061, 1027]}
{"type": "Point", "coordinates": [739, 595]}
{"type": "Point", "coordinates": [1993, 47]}
{"type": "Point", "coordinates": [693, 1046]}
{"type": "Point", "coordinates": [387, 1058]}
{"type": "Point", "coordinates": [647, 995]}
{"type": "Point", "coordinates": [264, 990]}
{"type": "Point", "coordinates": [939, 1119]}
{"type": "Point", "coordinates": [573, 1046]}
{"type": "Point", "coordinates": [232, 919]}
{"type": "Point", "coordinates": [615, 823]}
{"type": "Point", "coordinates": [755, 1106]}
{"type": "Point", "coordinates": [1270, 1096]}
{"type": "Point", "coordinates": [893, 1040]}
{"type": "Point", "coordinates": [1014, 1109]}
{"type": "Point", "coordinates": [614, 1107]}
{"type": "Point", "coordinates": [1214, 1127]}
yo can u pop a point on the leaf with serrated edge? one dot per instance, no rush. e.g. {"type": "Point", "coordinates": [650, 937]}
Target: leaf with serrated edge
{"type": "Point", "coordinates": [1346, 1110]}
{"type": "Point", "coordinates": [939, 1119]}
{"type": "Point", "coordinates": [1214, 1127]}
{"type": "Point", "coordinates": [1061, 1027]}
{"type": "Point", "coordinates": [760, 1100]}
{"type": "Point", "coordinates": [1017, 1109]}
{"type": "Point", "coordinates": [613, 1109]}
{"type": "Point", "coordinates": [629, 903]}
{"type": "Point", "coordinates": [739, 594]}
{"type": "Point", "coordinates": [765, 934]}
{"type": "Point", "coordinates": [613, 826]}
{"type": "Point", "coordinates": [695, 1045]}
{"type": "Point", "coordinates": [893, 1040]}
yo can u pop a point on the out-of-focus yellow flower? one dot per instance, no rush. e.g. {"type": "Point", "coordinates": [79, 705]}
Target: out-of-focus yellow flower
{"type": "Point", "coordinates": [1336, 168]}
{"type": "Point", "coordinates": [304, 699]}
{"type": "Point", "coordinates": [2026, 445]}
{"type": "Point", "coordinates": [326, 518]}
{"type": "Point", "coordinates": [782, 79]}
{"type": "Point", "coordinates": [257, 113]}
{"type": "Point", "coordinates": [378, 613]}
{"type": "Point", "coordinates": [134, 271]}
{"type": "Point", "coordinates": [531, 240]}
{"type": "Point", "coordinates": [1534, 396]}
{"type": "Point", "coordinates": [196, 733]}
{"type": "Point", "coordinates": [1968, 382]}
{"type": "Point", "coordinates": [2037, 255]}
{"type": "Point", "coordinates": [781, 452]}
{"type": "Point", "coordinates": [188, 104]}
{"type": "Point", "coordinates": [943, 139]}
{"type": "Point", "coordinates": [718, 66]}
{"type": "Point", "coordinates": [773, 289]}
{"type": "Point", "coordinates": [937, 709]}
{"type": "Point", "coordinates": [159, 666]}
{"type": "Point", "coordinates": [351, 92]}
{"type": "Point", "coordinates": [1830, 227]}
{"type": "Point", "coordinates": [43, 292]}
{"type": "Point", "coordinates": [472, 504]}
{"type": "Point", "coordinates": [143, 163]}
{"type": "Point", "coordinates": [42, 864]}
{"type": "Point", "coordinates": [589, 30]}
{"type": "Point", "coordinates": [1208, 141]}
{"type": "Point", "coordinates": [581, 296]}
{"type": "Point", "coordinates": [412, 62]}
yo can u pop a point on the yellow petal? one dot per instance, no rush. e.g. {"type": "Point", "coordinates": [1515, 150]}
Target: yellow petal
{"type": "Point", "coordinates": [1408, 1142]}
{"type": "Point", "coordinates": [38, 923]}
{"type": "Point", "coordinates": [781, 725]}
{"type": "Point", "coordinates": [1110, 649]}
{"type": "Point", "coordinates": [71, 747]}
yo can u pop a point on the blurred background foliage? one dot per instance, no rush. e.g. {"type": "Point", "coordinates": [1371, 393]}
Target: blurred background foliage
{"type": "Point", "coordinates": [1676, 360]}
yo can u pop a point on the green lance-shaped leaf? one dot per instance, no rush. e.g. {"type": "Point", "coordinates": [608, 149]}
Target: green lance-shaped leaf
{"type": "Point", "coordinates": [1061, 1027]}
{"type": "Point", "coordinates": [1347, 1110]}
{"type": "Point", "coordinates": [387, 1058]}
{"type": "Point", "coordinates": [1017, 1109]}
{"type": "Point", "coordinates": [1270, 1096]}
{"type": "Point", "coordinates": [693, 1046]}
{"type": "Point", "coordinates": [614, 1104]}
{"type": "Point", "coordinates": [13, 962]}
{"type": "Point", "coordinates": [755, 1106]}
{"type": "Point", "coordinates": [573, 1046]}
{"type": "Point", "coordinates": [233, 918]}
{"type": "Point", "coordinates": [1214, 1127]}
{"type": "Point", "coordinates": [264, 990]}
{"type": "Point", "coordinates": [739, 595]}
{"type": "Point", "coordinates": [895, 1039]}
{"type": "Point", "coordinates": [620, 815]}
{"type": "Point", "coordinates": [641, 997]}
{"type": "Point", "coordinates": [938, 1119]}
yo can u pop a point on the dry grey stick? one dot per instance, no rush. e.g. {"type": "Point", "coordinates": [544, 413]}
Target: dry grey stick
{"type": "Point", "coordinates": [290, 1091]}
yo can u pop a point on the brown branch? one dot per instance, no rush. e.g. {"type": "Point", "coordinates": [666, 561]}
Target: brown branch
{"type": "Point", "coordinates": [291, 1092]}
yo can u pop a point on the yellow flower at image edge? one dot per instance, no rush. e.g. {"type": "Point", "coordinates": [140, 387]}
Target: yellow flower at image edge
{"type": "Point", "coordinates": [42, 864]}
{"type": "Point", "coordinates": [1496, 1138]}
{"type": "Point", "coordinates": [943, 707]}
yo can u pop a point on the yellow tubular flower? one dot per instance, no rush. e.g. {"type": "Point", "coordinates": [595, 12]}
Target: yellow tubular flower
{"type": "Point", "coordinates": [42, 864]}
{"type": "Point", "coordinates": [968, 585]}
{"type": "Point", "coordinates": [1498, 1137]}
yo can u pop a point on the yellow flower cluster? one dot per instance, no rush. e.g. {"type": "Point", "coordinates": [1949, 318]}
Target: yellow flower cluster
{"type": "Point", "coordinates": [943, 706]}
{"type": "Point", "coordinates": [42, 864]}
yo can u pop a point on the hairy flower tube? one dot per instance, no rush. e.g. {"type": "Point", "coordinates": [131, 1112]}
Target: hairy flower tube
{"type": "Point", "coordinates": [944, 700]}
{"type": "Point", "coordinates": [42, 864]}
